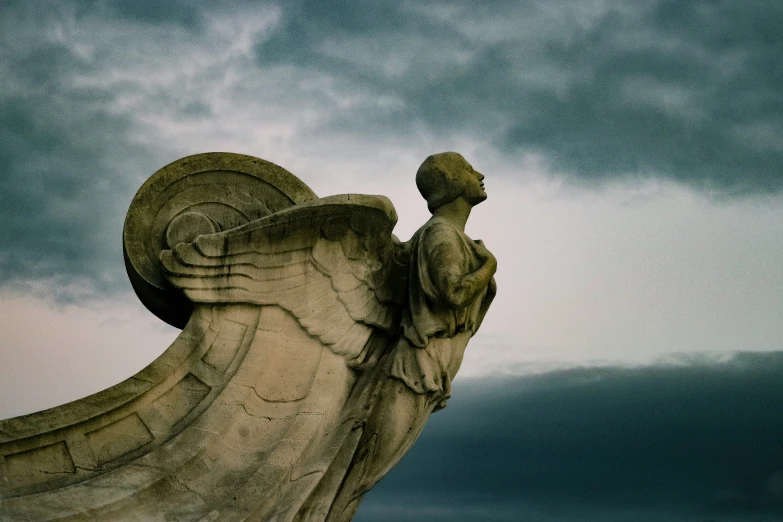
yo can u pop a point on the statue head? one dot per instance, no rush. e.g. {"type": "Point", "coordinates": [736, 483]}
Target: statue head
{"type": "Point", "coordinates": [444, 177]}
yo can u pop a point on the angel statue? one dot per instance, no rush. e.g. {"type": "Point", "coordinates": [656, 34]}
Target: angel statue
{"type": "Point", "coordinates": [315, 346]}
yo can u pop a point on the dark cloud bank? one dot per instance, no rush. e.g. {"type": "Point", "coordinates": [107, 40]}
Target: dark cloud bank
{"type": "Point", "coordinates": [697, 443]}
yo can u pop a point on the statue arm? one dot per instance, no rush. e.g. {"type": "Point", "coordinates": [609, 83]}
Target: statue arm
{"type": "Point", "coordinates": [448, 266]}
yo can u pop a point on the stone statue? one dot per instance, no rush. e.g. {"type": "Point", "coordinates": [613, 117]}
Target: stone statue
{"type": "Point", "coordinates": [315, 345]}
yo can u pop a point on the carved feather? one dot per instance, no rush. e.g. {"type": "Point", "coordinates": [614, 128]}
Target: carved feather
{"type": "Point", "coordinates": [329, 262]}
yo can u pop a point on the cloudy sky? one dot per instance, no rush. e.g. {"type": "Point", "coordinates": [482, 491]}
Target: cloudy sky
{"type": "Point", "coordinates": [630, 366]}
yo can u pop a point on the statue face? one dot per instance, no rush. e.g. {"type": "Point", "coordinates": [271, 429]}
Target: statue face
{"type": "Point", "coordinates": [473, 182]}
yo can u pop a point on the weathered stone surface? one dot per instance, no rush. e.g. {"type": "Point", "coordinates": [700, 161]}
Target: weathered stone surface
{"type": "Point", "coordinates": [315, 346]}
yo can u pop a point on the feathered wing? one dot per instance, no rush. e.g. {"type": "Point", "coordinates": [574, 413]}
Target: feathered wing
{"type": "Point", "coordinates": [332, 263]}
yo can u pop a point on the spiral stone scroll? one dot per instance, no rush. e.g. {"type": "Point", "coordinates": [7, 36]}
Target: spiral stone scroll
{"type": "Point", "coordinates": [199, 194]}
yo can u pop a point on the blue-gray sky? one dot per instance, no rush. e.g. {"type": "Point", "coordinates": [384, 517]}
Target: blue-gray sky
{"type": "Point", "coordinates": [634, 162]}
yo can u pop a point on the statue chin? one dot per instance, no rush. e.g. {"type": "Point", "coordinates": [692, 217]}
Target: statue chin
{"type": "Point", "coordinates": [314, 347]}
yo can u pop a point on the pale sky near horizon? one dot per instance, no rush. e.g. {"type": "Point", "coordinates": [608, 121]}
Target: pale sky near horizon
{"type": "Point", "coordinates": [633, 154]}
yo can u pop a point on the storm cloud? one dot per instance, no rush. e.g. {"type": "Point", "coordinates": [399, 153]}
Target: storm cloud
{"type": "Point", "coordinates": [696, 442]}
{"type": "Point", "coordinates": [690, 91]}
{"type": "Point", "coordinates": [96, 95]}
{"type": "Point", "coordinates": [68, 163]}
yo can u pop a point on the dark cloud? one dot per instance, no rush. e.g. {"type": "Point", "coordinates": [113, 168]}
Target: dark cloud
{"type": "Point", "coordinates": [68, 167]}
{"type": "Point", "coordinates": [186, 14]}
{"type": "Point", "coordinates": [176, 12]}
{"type": "Point", "coordinates": [690, 443]}
{"type": "Point", "coordinates": [690, 91]}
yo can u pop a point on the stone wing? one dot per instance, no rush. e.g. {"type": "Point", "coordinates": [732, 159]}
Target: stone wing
{"type": "Point", "coordinates": [331, 262]}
